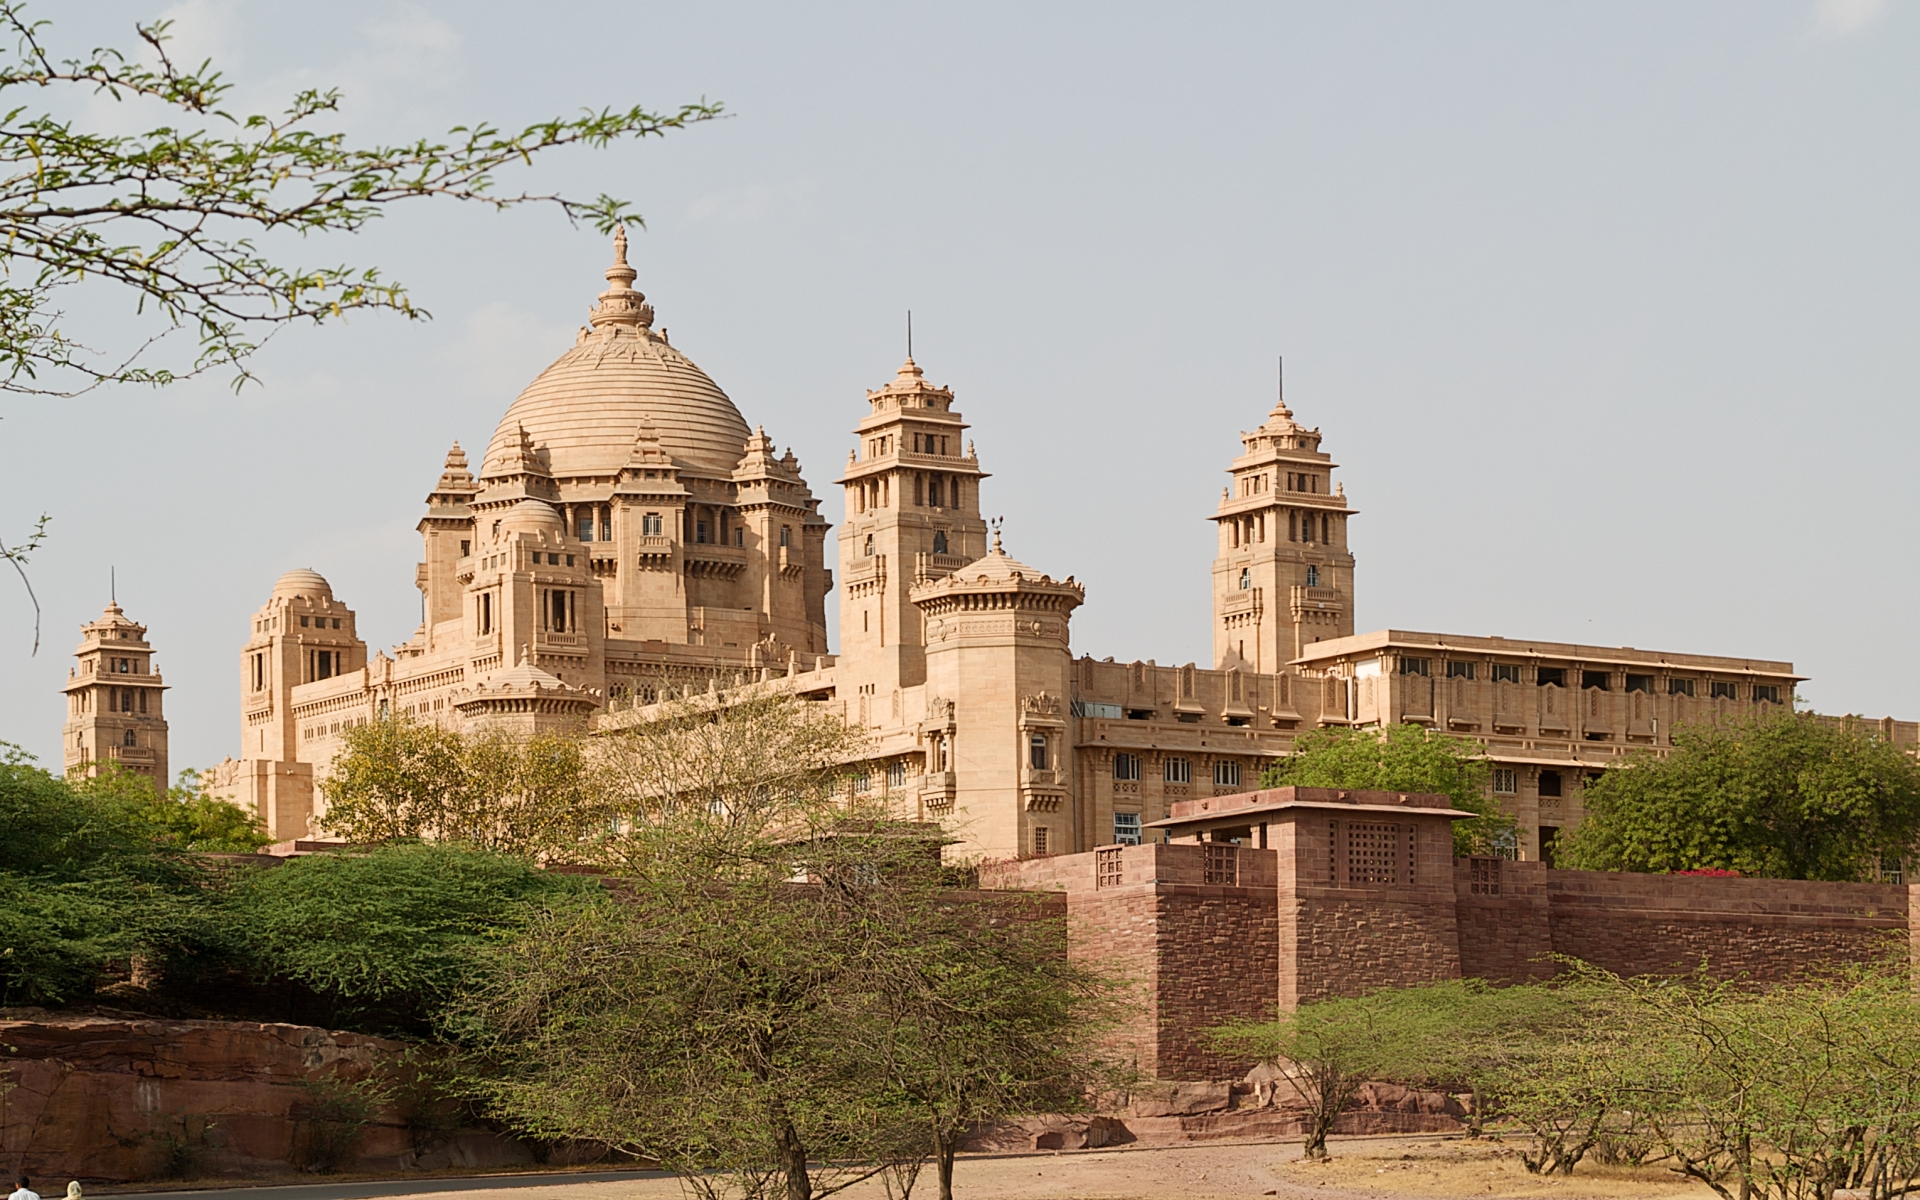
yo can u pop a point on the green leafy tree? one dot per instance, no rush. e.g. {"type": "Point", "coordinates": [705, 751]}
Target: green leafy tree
{"type": "Point", "coordinates": [1327, 1049]}
{"type": "Point", "coordinates": [1402, 758]}
{"type": "Point", "coordinates": [1784, 796]}
{"type": "Point", "coordinates": [87, 884]}
{"type": "Point", "coordinates": [398, 778]}
{"type": "Point", "coordinates": [391, 936]}
{"type": "Point", "coordinates": [781, 997]}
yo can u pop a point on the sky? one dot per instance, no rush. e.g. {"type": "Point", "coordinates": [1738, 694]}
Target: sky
{"type": "Point", "coordinates": [1607, 311]}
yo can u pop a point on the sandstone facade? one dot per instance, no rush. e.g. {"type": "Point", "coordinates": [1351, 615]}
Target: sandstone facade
{"type": "Point", "coordinates": [115, 701]}
{"type": "Point", "coordinates": [628, 533]}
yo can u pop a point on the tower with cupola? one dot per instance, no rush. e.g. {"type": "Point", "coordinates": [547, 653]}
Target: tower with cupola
{"type": "Point", "coordinates": [1283, 574]}
{"type": "Point", "coordinates": [913, 515]}
{"type": "Point", "coordinates": [115, 706]}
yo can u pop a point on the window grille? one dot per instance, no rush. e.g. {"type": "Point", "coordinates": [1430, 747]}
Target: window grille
{"type": "Point", "coordinates": [1506, 781]}
{"type": "Point", "coordinates": [1222, 865]}
{"type": "Point", "coordinates": [1483, 876]}
{"type": "Point", "coordinates": [1373, 853]}
{"type": "Point", "coordinates": [1126, 828]}
{"type": "Point", "coordinates": [1107, 869]}
{"type": "Point", "coordinates": [1040, 840]}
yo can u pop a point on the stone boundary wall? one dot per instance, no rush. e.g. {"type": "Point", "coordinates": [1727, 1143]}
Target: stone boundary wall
{"type": "Point", "coordinates": [1200, 948]}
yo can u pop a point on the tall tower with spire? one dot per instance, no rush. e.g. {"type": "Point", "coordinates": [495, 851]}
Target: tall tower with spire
{"type": "Point", "coordinates": [913, 515]}
{"type": "Point", "coordinates": [114, 707]}
{"type": "Point", "coordinates": [1283, 576]}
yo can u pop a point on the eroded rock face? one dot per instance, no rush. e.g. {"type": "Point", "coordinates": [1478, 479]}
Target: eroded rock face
{"type": "Point", "coordinates": [120, 1097]}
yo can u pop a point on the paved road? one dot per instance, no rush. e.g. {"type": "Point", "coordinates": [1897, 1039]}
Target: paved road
{"type": "Point", "coordinates": [365, 1189]}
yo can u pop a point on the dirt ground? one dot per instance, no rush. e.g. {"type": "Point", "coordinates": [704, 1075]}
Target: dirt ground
{"type": "Point", "coordinates": [1375, 1168]}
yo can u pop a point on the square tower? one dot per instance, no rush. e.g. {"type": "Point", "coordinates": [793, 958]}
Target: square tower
{"type": "Point", "coordinates": [913, 515]}
{"type": "Point", "coordinates": [114, 708]}
{"type": "Point", "coordinates": [1283, 576]}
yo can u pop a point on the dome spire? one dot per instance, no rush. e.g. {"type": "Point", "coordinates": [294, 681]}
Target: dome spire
{"type": "Point", "coordinates": [620, 304]}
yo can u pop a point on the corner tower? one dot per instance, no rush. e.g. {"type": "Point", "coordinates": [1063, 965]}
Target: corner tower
{"type": "Point", "coordinates": [113, 701]}
{"type": "Point", "coordinates": [1283, 577]}
{"type": "Point", "coordinates": [913, 515]}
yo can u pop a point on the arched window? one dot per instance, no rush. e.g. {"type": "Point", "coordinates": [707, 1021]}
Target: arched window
{"type": "Point", "coordinates": [940, 541]}
{"type": "Point", "coordinates": [127, 739]}
{"type": "Point", "coordinates": [1313, 576]}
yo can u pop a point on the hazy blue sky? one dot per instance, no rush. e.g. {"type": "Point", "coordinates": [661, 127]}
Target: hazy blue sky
{"type": "Point", "coordinates": [1607, 310]}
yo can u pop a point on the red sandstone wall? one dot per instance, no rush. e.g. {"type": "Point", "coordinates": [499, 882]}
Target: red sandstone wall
{"type": "Point", "coordinates": [1764, 929]}
{"type": "Point", "coordinates": [117, 1098]}
{"type": "Point", "coordinates": [1503, 918]}
{"type": "Point", "coordinates": [1347, 944]}
{"type": "Point", "coordinates": [1218, 959]}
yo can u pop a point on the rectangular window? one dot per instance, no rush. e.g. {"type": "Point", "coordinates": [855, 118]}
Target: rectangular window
{"type": "Point", "coordinates": [1415, 666]}
{"type": "Point", "coordinates": [1557, 676]}
{"type": "Point", "coordinates": [1506, 781]}
{"type": "Point", "coordinates": [323, 664]}
{"type": "Point", "coordinates": [786, 535]}
{"type": "Point", "coordinates": [896, 774]}
{"type": "Point", "coordinates": [1640, 683]}
{"type": "Point", "coordinates": [1506, 672]}
{"type": "Point", "coordinates": [650, 525]}
{"type": "Point", "coordinates": [1767, 692]}
{"type": "Point", "coordinates": [1126, 828]}
{"type": "Point", "coordinates": [1226, 774]}
{"type": "Point", "coordinates": [1037, 751]}
{"type": "Point", "coordinates": [1040, 841]}
{"type": "Point", "coordinates": [1178, 770]}
{"type": "Point", "coordinates": [1719, 690]}
{"type": "Point", "coordinates": [586, 527]}
{"type": "Point", "coordinates": [466, 548]}
{"type": "Point", "coordinates": [1459, 670]}
{"type": "Point", "coordinates": [933, 492]}
{"type": "Point", "coordinates": [1550, 783]}
{"type": "Point", "coordinates": [303, 622]}
{"type": "Point", "coordinates": [143, 702]}
{"type": "Point", "coordinates": [1679, 687]}
{"type": "Point", "coordinates": [1126, 767]}
{"type": "Point", "coordinates": [1595, 679]}
{"type": "Point", "coordinates": [700, 532]}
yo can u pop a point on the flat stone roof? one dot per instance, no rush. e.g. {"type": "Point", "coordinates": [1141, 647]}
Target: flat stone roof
{"type": "Point", "coordinates": [1245, 808]}
{"type": "Point", "coordinates": [1529, 649]}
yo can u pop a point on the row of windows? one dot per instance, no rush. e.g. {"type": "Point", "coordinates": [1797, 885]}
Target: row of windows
{"type": "Point", "coordinates": [1717, 689]}
{"type": "Point", "coordinates": [1126, 768]}
{"type": "Point", "coordinates": [319, 622]}
{"type": "Point", "coordinates": [1301, 527]}
{"type": "Point", "coordinates": [1297, 481]}
{"type": "Point", "coordinates": [1313, 579]}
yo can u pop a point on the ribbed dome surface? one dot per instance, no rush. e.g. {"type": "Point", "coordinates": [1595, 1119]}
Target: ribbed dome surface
{"type": "Point", "coordinates": [303, 581]}
{"type": "Point", "coordinates": [587, 408]}
{"type": "Point", "coordinates": [532, 516]}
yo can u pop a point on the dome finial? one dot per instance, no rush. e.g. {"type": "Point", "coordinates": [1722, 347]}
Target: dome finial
{"type": "Point", "coordinates": [996, 535]}
{"type": "Point", "coordinates": [620, 304]}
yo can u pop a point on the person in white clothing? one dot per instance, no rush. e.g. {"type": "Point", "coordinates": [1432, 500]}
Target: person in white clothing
{"type": "Point", "coordinates": [22, 1192]}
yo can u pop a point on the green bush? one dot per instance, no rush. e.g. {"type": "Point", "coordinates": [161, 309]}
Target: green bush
{"type": "Point", "coordinates": [387, 936]}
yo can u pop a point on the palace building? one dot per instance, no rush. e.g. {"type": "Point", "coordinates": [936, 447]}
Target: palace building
{"type": "Point", "coordinates": [627, 531]}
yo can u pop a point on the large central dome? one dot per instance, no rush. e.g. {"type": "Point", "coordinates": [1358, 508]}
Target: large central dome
{"type": "Point", "coordinates": [587, 408]}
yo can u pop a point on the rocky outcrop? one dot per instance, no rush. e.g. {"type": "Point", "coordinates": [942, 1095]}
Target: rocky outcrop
{"type": "Point", "coordinates": [115, 1097]}
{"type": "Point", "coordinates": [1164, 1114]}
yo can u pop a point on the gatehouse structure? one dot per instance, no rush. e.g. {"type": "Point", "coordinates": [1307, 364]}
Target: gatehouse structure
{"type": "Point", "coordinates": [627, 531]}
